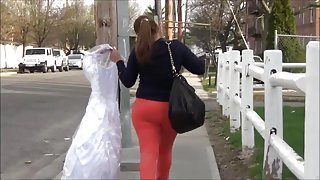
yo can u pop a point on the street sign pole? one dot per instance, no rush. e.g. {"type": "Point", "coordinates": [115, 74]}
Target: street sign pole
{"type": "Point", "coordinates": [123, 47]}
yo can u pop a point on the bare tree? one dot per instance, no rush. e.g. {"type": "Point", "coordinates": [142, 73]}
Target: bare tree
{"type": "Point", "coordinates": [77, 27]}
{"type": "Point", "coordinates": [134, 12]}
{"type": "Point", "coordinates": [42, 15]}
{"type": "Point", "coordinates": [6, 17]}
{"type": "Point", "coordinates": [218, 25]}
{"type": "Point", "coordinates": [223, 28]}
{"type": "Point", "coordinates": [40, 22]}
{"type": "Point", "coordinates": [15, 21]}
{"type": "Point", "coordinates": [23, 22]}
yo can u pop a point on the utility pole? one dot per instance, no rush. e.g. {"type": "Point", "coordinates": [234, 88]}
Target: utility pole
{"type": "Point", "coordinates": [112, 23]}
{"type": "Point", "coordinates": [106, 22]}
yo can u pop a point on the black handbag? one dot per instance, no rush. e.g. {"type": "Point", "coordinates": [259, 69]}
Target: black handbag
{"type": "Point", "coordinates": [186, 109]}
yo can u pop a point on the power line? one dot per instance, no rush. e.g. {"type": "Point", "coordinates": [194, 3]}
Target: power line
{"type": "Point", "coordinates": [235, 18]}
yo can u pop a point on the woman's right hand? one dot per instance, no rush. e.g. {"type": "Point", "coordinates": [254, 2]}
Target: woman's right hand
{"type": "Point", "coordinates": [115, 55]}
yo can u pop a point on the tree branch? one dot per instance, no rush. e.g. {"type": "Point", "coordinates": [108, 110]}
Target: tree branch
{"type": "Point", "coordinates": [265, 6]}
{"type": "Point", "coordinates": [230, 42]}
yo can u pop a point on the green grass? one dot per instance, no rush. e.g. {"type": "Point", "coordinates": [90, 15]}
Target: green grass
{"type": "Point", "coordinates": [212, 69]}
{"type": "Point", "coordinates": [293, 135]}
{"type": "Point", "coordinates": [206, 87]}
{"type": "Point", "coordinates": [234, 138]}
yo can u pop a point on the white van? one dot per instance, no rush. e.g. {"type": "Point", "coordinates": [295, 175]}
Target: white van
{"type": "Point", "coordinates": [41, 59]}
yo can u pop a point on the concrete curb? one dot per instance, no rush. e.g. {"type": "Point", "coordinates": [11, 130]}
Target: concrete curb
{"type": "Point", "coordinates": [58, 176]}
{"type": "Point", "coordinates": [46, 172]}
{"type": "Point", "coordinates": [213, 165]}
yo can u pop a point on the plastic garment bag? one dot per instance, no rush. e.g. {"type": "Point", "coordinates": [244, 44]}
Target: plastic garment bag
{"type": "Point", "coordinates": [95, 149]}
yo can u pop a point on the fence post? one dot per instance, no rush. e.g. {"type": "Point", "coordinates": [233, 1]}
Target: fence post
{"type": "Point", "coordinates": [223, 72]}
{"type": "Point", "coordinates": [237, 61]}
{"type": "Point", "coordinates": [273, 114]}
{"type": "Point", "coordinates": [276, 39]}
{"type": "Point", "coordinates": [311, 151]}
{"type": "Point", "coordinates": [234, 84]}
{"type": "Point", "coordinates": [225, 107]}
{"type": "Point", "coordinates": [219, 78]}
{"type": "Point", "coordinates": [247, 130]}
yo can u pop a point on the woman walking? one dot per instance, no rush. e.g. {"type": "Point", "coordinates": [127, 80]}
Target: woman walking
{"type": "Point", "coordinates": [150, 61]}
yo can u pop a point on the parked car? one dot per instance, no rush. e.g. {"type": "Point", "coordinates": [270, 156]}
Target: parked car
{"type": "Point", "coordinates": [41, 59]}
{"type": "Point", "coordinates": [257, 59]}
{"type": "Point", "coordinates": [75, 61]}
{"type": "Point", "coordinates": [61, 60]}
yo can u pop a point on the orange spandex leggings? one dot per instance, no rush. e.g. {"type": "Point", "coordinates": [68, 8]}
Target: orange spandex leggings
{"type": "Point", "coordinates": [156, 137]}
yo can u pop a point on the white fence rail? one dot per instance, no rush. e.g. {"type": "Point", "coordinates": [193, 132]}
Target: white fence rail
{"type": "Point", "coordinates": [239, 107]}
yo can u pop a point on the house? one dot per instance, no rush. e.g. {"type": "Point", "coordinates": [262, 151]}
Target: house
{"type": "Point", "coordinates": [307, 23]}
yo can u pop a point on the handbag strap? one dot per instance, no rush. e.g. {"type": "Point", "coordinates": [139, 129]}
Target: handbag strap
{"type": "Point", "coordinates": [174, 71]}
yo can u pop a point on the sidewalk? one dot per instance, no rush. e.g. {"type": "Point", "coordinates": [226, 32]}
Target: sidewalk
{"type": "Point", "coordinates": [193, 157]}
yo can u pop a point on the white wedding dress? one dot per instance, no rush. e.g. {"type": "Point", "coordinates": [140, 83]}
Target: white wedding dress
{"type": "Point", "coordinates": [95, 149]}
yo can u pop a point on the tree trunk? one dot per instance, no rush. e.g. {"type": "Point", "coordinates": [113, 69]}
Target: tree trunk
{"type": "Point", "coordinates": [180, 20]}
{"type": "Point", "coordinates": [23, 48]}
{"type": "Point", "coordinates": [23, 44]}
{"type": "Point", "coordinates": [185, 25]}
{"type": "Point", "coordinates": [159, 12]}
{"type": "Point", "coordinates": [214, 62]}
{"type": "Point", "coordinates": [264, 31]}
{"type": "Point", "coordinates": [40, 41]}
{"type": "Point", "coordinates": [24, 33]}
{"type": "Point", "coordinates": [223, 47]}
{"type": "Point", "coordinates": [166, 18]}
{"type": "Point", "coordinates": [76, 45]}
{"type": "Point", "coordinates": [216, 77]}
{"type": "Point", "coordinates": [223, 41]}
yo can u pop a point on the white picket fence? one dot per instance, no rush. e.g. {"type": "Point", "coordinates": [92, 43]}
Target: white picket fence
{"type": "Point", "coordinates": [238, 106]}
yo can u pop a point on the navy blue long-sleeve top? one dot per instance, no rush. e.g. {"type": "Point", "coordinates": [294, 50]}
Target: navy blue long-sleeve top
{"type": "Point", "coordinates": [156, 77]}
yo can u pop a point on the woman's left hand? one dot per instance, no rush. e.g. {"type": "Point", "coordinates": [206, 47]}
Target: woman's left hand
{"type": "Point", "coordinates": [115, 55]}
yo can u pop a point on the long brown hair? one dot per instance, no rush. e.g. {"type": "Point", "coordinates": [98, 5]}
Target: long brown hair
{"type": "Point", "coordinates": [146, 30]}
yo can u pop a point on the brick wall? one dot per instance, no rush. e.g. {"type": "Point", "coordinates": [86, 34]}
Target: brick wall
{"type": "Point", "coordinates": [307, 22]}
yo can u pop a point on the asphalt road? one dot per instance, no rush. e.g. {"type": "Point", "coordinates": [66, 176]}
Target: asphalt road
{"type": "Point", "coordinates": [39, 115]}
